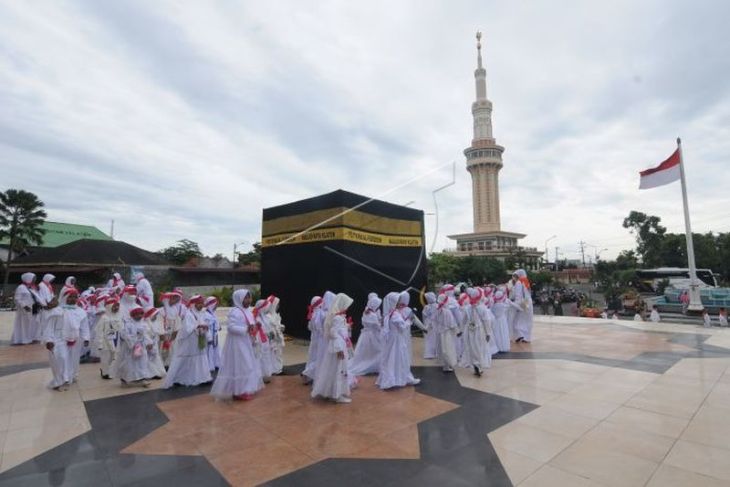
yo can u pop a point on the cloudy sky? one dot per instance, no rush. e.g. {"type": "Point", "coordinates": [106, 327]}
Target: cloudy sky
{"type": "Point", "coordinates": [185, 119]}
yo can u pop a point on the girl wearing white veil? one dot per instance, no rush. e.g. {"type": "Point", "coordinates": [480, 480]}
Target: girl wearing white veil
{"type": "Point", "coordinates": [332, 379]}
{"type": "Point", "coordinates": [395, 365]}
{"type": "Point", "coordinates": [370, 344]}
{"type": "Point", "coordinates": [431, 340]}
{"type": "Point", "coordinates": [320, 346]}
{"type": "Point", "coordinates": [239, 376]}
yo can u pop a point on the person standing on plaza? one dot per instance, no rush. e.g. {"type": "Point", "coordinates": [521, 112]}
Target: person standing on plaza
{"type": "Point", "coordinates": [56, 345]}
{"type": "Point", "coordinates": [154, 332]}
{"type": "Point", "coordinates": [240, 375]}
{"type": "Point", "coordinates": [145, 296]}
{"type": "Point", "coordinates": [446, 329]}
{"type": "Point", "coordinates": [395, 365]}
{"type": "Point", "coordinates": [189, 365]}
{"type": "Point", "coordinates": [75, 332]}
{"type": "Point", "coordinates": [431, 340]}
{"type": "Point", "coordinates": [132, 364]}
{"type": "Point", "coordinates": [315, 324]}
{"type": "Point", "coordinates": [173, 313]}
{"type": "Point", "coordinates": [214, 354]}
{"type": "Point", "coordinates": [332, 380]}
{"type": "Point", "coordinates": [521, 302]}
{"type": "Point", "coordinates": [107, 330]}
{"type": "Point", "coordinates": [477, 334]}
{"type": "Point", "coordinates": [370, 343]}
{"type": "Point", "coordinates": [25, 326]}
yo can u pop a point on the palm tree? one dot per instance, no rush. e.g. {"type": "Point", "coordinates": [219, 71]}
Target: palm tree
{"type": "Point", "coordinates": [21, 217]}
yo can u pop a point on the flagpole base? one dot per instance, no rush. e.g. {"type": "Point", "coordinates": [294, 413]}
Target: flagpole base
{"type": "Point", "coordinates": [695, 302]}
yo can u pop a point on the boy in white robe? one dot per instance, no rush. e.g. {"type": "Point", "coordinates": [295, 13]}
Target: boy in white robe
{"type": "Point", "coordinates": [132, 364]}
{"type": "Point", "coordinates": [239, 377]}
{"type": "Point", "coordinates": [116, 283]}
{"type": "Point", "coordinates": [315, 325]}
{"type": "Point", "coordinates": [153, 330]}
{"type": "Point", "coordinates": [370, 343]}
{"type": "Point", "coordinates": [445, 328]}
{"type": "Point", "coordinates": [332, 380]}
{"type": "Point", "coordinates": [431, 340]}
{"type": "Point", "coordinates": [25, 326]}
{"type": "Point", "coordinates": [521, 302]}
{"type": "Point", "coordinates": [75, 333]}
{"type": "Point", "coordinates": [173, 313]}
{"type": "Point", "coordinates": [477, 333]}
{"type": "Point", "coordinates": [276, 337]}
{"type": "Point", "coordinates": [214, 354]}
{"type": "Point", "coordinates": [128, 301]}
{"type": "Point", "coordinates": [706, 320]}
{"type": "Point", "coordinates": [56, 345]}
{"type": "Point", "coordinates": [107, 330]}
{"type": "Point", "coordinates": [395, 365]}
{"type": "Point", "coordinates": [189, 365]}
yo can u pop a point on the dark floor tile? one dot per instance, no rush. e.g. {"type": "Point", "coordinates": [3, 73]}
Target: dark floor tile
{"type": "Point", "coordinates": [432, 475]}
{"type": "Point", "coordinates": [128, 469]}
{"type": "Point", "coordinates": [318, 475]}
{"type": "Point", "coordinates": [82, 474]}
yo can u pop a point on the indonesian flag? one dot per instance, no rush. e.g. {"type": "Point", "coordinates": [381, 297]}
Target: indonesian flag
{"type": "Point", "coordinates": [665, 173]}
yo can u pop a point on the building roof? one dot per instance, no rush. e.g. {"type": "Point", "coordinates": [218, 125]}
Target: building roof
{"type": "Point", "coordinates": [89, 252]}
{"type": "Point", "coordinates": [62, 233]}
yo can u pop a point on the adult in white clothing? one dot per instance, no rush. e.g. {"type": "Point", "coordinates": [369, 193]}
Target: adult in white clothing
{"type": "Point", "coordinates": [25, 326]}
{"type": "Point", "coordinates": [521, 301]}
{"type": "Point", "coordinates": [370, 343]}
{"type": "Point", "coordinates": [189, 366]}
{"type": "Point", "coordinates": [333, 380]}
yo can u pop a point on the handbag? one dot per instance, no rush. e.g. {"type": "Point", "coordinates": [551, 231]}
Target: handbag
{"type": "Point", "coordinates": [137, 350]}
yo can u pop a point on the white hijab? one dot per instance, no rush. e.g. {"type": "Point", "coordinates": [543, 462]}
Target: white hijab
{"type": "Point", "coordinates": [238, 296]}
{"type": "Point", "coordinates": [341, 302]}
{"type": "Point", "coordinates": [27, 278]}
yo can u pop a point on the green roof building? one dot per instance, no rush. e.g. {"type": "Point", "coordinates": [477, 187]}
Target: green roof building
{"type": "Point", "coordinates": [63, 233]}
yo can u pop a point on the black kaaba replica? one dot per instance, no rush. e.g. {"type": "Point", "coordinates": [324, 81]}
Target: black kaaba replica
{"type": "Point", "coordinates": [343, 242]}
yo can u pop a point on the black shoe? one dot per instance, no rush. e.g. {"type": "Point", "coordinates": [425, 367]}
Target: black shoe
{"type": "Point", "coordinates": [105, 377]}
{"type": "Point", "coordinates": [477, 372]}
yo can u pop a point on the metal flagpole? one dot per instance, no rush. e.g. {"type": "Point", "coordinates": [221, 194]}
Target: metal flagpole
{"type": "Point", "coordinates": [695, 302]}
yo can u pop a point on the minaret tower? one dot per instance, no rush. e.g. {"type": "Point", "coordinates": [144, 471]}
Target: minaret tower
{"type": "Point", "coordinates": [484, 156]}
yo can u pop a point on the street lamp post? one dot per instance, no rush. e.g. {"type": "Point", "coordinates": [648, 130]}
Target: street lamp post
{"type": "Point", "coordinates": [233, 262]}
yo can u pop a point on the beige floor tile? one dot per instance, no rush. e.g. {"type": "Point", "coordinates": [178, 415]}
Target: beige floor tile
{"type": "Point", "coordinates": [628, 440]}
{"type": "Point", "coordinates": [549, 476]}
{"type": "Point", "coordinates": [584, 406]}
{"type": "Point", "coordinates": [527, 393]}
{"type": "Point", "coordinates": [702, 459]}
{"type": "Point", "coordinates": [518, 467]}
{"type": "Point", "coordinates": [604, 465]}
{"type": "Point", "coordinates": [626, 377]}
{"type": "Point", "coordinates": [639, 419]}
{"type": "Point", "coordinates": [697, 386]}
{"type": "Point", "coordinates": [582, 367]}
{"type": "Point", "coordinates": [667, 400]}
{"type": "Point", "coordinates": [4, 421]}
{"type": "Point", "coordinates": [608, 392]}
{"type": "Point", "coordinates": [710, 426]}
{"type": "Point", "coordinates": [529, 441]}
{"type": "Point", "coordinates": [668, 476]}
{"type": "Point", "coordinates": [26, 418]}
{"type": "Point", "coordinates": [556, 420]}
{"type": "Point", "coordinates": [551, 381]}
{"type": "Point", "coordinates": [720, 395]}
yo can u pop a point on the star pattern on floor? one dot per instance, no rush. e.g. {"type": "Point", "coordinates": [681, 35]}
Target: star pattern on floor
{"type": "Point", "coordinates": [282, 429]}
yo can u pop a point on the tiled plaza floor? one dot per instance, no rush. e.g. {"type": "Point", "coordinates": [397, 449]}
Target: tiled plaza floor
{"type": "Point", "coordinates": [588, 403]}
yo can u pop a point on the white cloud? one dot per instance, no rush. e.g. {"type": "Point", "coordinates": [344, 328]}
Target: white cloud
{"type": "Point", "coordinates": [183, 120]}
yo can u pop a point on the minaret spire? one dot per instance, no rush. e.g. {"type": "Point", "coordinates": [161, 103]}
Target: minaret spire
{"type": "Point", "coordinates": [479, 49]}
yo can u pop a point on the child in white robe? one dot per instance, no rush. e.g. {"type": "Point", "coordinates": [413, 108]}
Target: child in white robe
{"type": "Point", "coordinates": [722, 317]}
{"type": "Point", "coordinates": [132, 364]}
{"type": "Point", "coordinates": [521, 302]}
{"type": "Point", "coordinates": [214, 354]}
{"type": "Point", "coordinates": [56, 345]}
{"type": "Point", "coordinates": [75, 333]}
{"type": "Point", "coordinates": [107, 330]}
{"type": "Point", "coordinates": [263, 340]}
{"type": "Point", "coordinates": [25, 326]}
{"type": "Point", "coordinates": [276, 338]}
{"type": "Point", "coordinates": [706, 320]}
{"type": "Point", "coordinates": [332, 380]}
{"type": "Point", "coordinates": [315, 324]}
{"type": "Point", "coordinates": [128, 301]}
{"type": "Point", "coordinates": [477, 333]}
{"type": "Point", "coordinates": [153, 330]}
{"type": "Point", "coordinates": [370, 343]}
{"type": "Point", "coordinates": [395, 365]}
{"type": "Point", "coordinates": [654, 316]}
{"type": "Point", "coordinates": [189, 366]}
{"type": "Point", "coordinates": [431, 340]}
{"type": "Point", "coordinates": [500, 329]}
{"type": "Point", "coordinates": [239, 377]}
{"type": "Point", "coordinates": [445, 328]}
{"type": "Point", "coordinates": [173, 313]}
{"type": "Point", "coordinates": [68, 286]}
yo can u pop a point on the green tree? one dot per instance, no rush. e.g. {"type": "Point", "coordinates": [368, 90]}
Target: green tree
{"type": "Point", "coordinates": [21, 217]}
{"type": "Point", "coordinates": [649, 234]}
{"type": "Point", "coordinates": [442, 268]}
{"type": "Point", "coordinates": [182, 252]}
{"type": "Point", "coordinates": [480, 270]}
{"type": "Point", "coordinates": [541, 279]}
{"type": "Point", "coordinates": [251, 257]}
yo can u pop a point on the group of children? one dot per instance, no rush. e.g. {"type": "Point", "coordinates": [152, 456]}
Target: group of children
{"type": "Point", "coordinates": [136, 342]}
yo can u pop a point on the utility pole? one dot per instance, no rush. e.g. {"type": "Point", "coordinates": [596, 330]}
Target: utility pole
{"type": "Point", "coordinates": [556, 259]}
{"type": "Point", "coordinates": [583, 252]}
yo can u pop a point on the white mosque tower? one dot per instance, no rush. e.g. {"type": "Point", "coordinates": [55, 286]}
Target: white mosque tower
{"type": "Point", "coordinates": [483, 161]}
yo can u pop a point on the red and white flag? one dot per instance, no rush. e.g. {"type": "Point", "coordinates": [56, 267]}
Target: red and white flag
{"type": "Point", "coordinates": [665, 173]}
